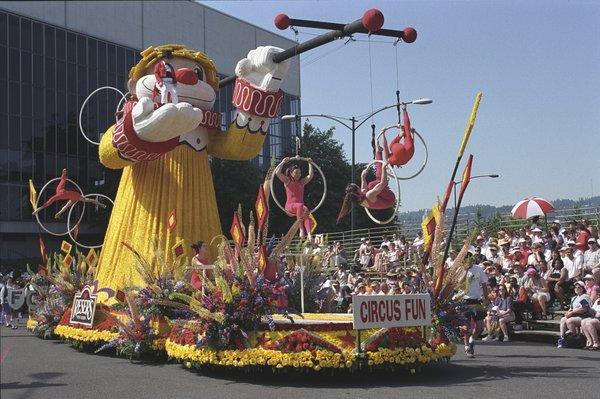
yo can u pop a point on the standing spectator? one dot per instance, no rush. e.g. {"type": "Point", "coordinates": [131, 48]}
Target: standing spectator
{"type": "Point", "coordinates": [476, 300]}
{"type": "Point", "coordinates": [580, 309]}
{"type": "Point", "coordinates": [4, 309]}
{"type": "Point", "coordinates": [393, 256]}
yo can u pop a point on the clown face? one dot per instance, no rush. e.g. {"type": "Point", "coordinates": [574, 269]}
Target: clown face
{"type": "Point", "coordinates": [192, 87]}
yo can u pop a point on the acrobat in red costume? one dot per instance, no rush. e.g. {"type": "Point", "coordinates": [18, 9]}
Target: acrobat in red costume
{"type": "Point", "coordinates": [166, 81]}
{"type": "Point", "coordinates": [62, 194]}
{"type": "Point", "coordinates": [402, 152]}
{"type": "Point", "coordinates": [374, 194]}
{"type": "Point", "coordinates": [294, 192]}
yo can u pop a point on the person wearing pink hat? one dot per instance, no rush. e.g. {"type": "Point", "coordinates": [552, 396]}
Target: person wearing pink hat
{"type": "Point", "coordinates": [591, 288]}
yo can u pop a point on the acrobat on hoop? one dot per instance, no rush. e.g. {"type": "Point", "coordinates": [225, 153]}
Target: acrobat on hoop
{"type": "Point", "coordinates": [418, 172]}
{"type": "Point", "coordinates": [397, 207]}
{"type": "Point", "coordinates": [37, 215]}
{"type": "Point", "coordinates": [297, 158]}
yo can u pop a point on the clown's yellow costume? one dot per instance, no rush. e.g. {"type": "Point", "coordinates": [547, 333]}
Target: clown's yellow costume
{"type": "Point", "coordinates": [166, 195]}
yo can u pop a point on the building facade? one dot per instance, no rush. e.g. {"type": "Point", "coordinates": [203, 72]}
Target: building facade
{"type": "Point", "coordinates": [54, 54]}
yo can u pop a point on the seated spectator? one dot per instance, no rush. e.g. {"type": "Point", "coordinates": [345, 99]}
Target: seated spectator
{"type": "Point", "coordinates": [591, 288]}
{"type": "Point", "coordinates": [591, 328]}
{"type": "Point", "coordinates": [383, 289]}
{"type": "Point", "coordinates": [360, 289]}
{"type": "Point", "coordinates": [591, 257]}
{"type": "Point", "coordinates": [406, 288]}
{"type": "Point", "coordinates": [500, 312]}
{"type": "Point", "coordinates": [538, 290]}
{"type": "Point", "coordinates": [393, 256]}
{"type": "Point", "coordinates": [580, 309]}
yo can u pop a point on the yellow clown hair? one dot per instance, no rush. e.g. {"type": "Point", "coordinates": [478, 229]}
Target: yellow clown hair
{"type": "Point", "coordinates": [151, 55]}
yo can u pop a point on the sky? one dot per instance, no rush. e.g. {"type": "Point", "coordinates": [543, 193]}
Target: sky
{"type": "Point", "coordinates": [536, 62]}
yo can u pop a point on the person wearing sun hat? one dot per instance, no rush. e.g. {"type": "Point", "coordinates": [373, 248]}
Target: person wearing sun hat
{"type": "Point", "coordinates": [579, 310]}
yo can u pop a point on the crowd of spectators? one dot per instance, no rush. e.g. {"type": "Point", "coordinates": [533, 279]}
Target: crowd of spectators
{"type": "Point", "coordinates": [529, 272]}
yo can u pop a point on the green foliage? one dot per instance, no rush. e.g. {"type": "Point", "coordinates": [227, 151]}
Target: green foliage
{"type": "Point", "coordinates": [236, 182]}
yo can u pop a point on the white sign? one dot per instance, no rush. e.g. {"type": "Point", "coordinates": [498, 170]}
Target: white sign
{"type": "Point", "coordinates": [384, 311]}
{"type": "Point", "coordinates": [16, 298]}
{"type": "Point", "coordinates": [84, 307]}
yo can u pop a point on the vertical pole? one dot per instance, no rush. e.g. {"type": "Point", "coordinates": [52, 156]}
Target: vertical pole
{"type": "Point", "coordinates": [302, 281]}
{"type": "Point", "coordinates": [454, 184]}
{"type": "Point", "coordinates": [353, 170]}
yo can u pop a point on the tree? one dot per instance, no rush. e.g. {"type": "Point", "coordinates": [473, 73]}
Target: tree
{"type": "Point", "coordinates": [235, 182]}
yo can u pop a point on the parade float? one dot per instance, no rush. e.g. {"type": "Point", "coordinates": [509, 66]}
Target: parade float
{"type": "Point", "coordinates": [225, 307]}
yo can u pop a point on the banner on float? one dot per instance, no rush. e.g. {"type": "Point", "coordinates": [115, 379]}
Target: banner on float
{"type": "Point", "coordinates": [84, 307]}
{"type": "Point", "coordinates": [385, 311]}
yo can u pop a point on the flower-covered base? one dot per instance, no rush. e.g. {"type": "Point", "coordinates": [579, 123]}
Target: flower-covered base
{"type": "Point", "coordinates": [311, 345]}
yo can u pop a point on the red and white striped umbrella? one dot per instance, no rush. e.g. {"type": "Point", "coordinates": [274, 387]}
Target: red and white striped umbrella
{"type": "Point", "coordinates": [530, 207]}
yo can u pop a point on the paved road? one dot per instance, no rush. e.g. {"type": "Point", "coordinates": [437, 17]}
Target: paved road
{"type": "Point", "coordinates": [32, 368]}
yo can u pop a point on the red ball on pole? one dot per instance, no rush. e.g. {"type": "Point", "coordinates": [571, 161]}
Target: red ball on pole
{"type": "Point", "coordinates": [282, 21]}
{"type": "Point", "coordinates": [410, 35]}
{"type": "Point", "coordinates": [372, 20]}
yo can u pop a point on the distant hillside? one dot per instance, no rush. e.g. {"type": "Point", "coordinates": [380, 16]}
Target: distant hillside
{"type": "Point", "coordinates": [488, 210]}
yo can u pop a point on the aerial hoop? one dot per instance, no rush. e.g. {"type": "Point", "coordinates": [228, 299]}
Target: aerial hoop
{"type": "Point", "coordinates": [123, 97]}
{"type": "Point", "coordinates": [37, 215]}
{"type": "Point", "coordinates": [69, 220]}
{"type": "Point", "coordinates": [418, 172]}
{"type": "Point", "coordinates": [297, 158]}
{"type": "Point", "coordinates": [397, 207]}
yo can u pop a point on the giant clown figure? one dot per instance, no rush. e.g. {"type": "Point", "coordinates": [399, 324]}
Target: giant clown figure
{"type": "Point", "coordinates": [163, 150]}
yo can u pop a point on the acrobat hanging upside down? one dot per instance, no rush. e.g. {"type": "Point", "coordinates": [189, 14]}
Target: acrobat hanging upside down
{"type": "Point", "coordinates": [402, 147]}
{"type": "Point", "coordinates": [62, 194]}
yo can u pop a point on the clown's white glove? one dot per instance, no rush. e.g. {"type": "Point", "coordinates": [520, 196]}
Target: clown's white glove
{"type": "Point", "coordinates": [165, 123]}
{"type": "Point", "coordinates": [259, 69]}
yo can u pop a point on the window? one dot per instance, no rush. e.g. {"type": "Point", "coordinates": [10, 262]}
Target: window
{"type": "Point", "coordinates": [26, 136]}
{"type": "Point", "coordinates": [13, 31]}
{"type": "Point", "coordinates": [50, 73]}
{"type": "Point", "coordinates": [3, 99]}
{"type": "Point", "coordinates": [14, 66]}
{"type": "Point", "coordinates": [4, 133]}
{"type": "Point", "coordinates": [38, 38]}
{"type": "Point", "coordinates": [26, 100]}
{"type": "Point", "coordinates": [71, 47]}
{"type": "Point", "coordinates": [38, 102]}
{"type": "Point", "coordinates": [60, 45]}
{"type": "Point", "coordinates": [14, 94]}
{"type": "Point", "coordinates": [37, 77]}
{"type": "Point", "coordinates": [39, 132]}
{"type": "Point", "coordinates": [49, 41]}
{"type": "Point", "coordinates": [3, 63]}
{"type": "Point", "coordinates": [3, 28]}
{"type": "Point", "coordinates": [81, 50]}
{"type": "Point", "coordinates": [25, 34]}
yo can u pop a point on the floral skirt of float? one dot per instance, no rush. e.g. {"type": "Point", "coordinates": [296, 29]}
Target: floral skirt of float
{"type": "Point", "coordinates": [147, 195]}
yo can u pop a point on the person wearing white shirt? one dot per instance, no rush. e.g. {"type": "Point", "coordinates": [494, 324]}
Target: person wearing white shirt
{"type": "Point", "coordinates": [569, 263]}
{"type": "Point", "coordinates": [475, 298]}
{"type": "Point", "coordinates": [591, 257]}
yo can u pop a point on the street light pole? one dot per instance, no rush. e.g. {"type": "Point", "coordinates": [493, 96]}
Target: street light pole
{"type": "Point", "coordinates": [456, 183]}
{"type": "Point", "coordinates": [353, 169]}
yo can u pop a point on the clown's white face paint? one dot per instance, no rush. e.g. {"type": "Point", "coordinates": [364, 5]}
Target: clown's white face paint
{"type": "Point", "coordinates": [200, 94]}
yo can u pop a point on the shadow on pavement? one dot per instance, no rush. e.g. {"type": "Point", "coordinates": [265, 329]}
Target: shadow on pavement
{"type": "Point", "coordinates": [433, 376]}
